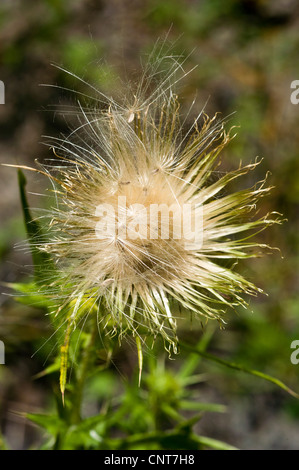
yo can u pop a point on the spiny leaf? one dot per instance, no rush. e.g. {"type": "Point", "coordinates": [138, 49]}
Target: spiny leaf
{"type": "Point", "coordinates": [51, 423]}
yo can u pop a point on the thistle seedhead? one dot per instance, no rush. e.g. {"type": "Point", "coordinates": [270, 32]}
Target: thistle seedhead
{"type": "Point", "coordinates": [139, 231]}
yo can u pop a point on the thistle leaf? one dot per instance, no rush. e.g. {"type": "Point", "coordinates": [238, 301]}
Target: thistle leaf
{"type": "Point", "coordinates": [49, 422]}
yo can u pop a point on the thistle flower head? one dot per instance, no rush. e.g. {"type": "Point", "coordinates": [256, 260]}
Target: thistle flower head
{"type": "Point", "coordinates": [142, 232]}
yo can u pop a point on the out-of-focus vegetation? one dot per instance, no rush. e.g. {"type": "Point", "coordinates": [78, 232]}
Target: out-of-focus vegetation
{"type": "Point", "coordinates": [246, 57]}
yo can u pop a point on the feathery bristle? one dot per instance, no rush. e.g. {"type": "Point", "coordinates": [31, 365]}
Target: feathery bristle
{"type": "Point", "coordinates": [124, 181]}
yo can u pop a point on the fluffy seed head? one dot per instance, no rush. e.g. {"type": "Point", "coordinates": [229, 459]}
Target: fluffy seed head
{"type": "Point", "coordinates": [142, 231]}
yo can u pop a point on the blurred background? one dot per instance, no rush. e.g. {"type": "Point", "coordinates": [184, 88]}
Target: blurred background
{"type": "Point", "coordinates": [246, 53]}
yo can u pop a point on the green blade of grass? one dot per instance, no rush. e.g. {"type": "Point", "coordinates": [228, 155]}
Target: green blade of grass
{"type": "Point", "coordinates": [41, 260]}
{"type": "Point", "coordinates": [241, 368]}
